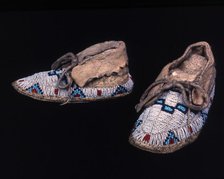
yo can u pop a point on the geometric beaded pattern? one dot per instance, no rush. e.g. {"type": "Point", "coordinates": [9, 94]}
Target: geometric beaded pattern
{"type": "Point", "coordinates": [77, 92]}
{"type": "Point", "coordinates": [54, 72]}
{"type": "Point", "coordinates": [35, 89]}
{"type": "Point", "coordinates": [119, 90]}
{"type": "Point", "coordinates": [45, 83]}
{"type": "Point", "coordinates": [168, 121]}
{"type": "Point", "coordinates": [171, 138]}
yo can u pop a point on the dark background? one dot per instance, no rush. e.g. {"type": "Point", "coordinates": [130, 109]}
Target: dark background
{"type": "Point", "coordinates": [46, 140]}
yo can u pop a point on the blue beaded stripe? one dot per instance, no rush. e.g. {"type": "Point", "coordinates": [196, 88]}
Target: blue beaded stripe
{"type": "Point", "coordinates": [204, 116]}
{"type": "Point", "coordinates": [160, 101]}
{"type": "Point", "coordinates": [182, 108]}
{"type": "Point", "coordinates": [119, 90]}
{"type": "Point", "coordinates": [54, 72]}
{"type": "Point", "coordinates": [57, 73]}
{"type": "Point", "coordinates": [167, 108]}
{"type": "Point", "coordinates": [137, 123]}
{"type": "Point", "coordinates": [35, 87]}
{"type": "Point", "coordinates": [170, 109]}
{"type": "Point", "coordinates": [77, 92]}
{"type": "Point", "coordinates": [171, 138]}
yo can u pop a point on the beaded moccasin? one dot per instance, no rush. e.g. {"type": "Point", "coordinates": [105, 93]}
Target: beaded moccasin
{"type": "Point", "coordinates": [176, 105]}
{"type": "Point", "coordinates": [98, 72]}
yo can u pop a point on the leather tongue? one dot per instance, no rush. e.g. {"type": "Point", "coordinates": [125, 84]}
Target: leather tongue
{"type": "Point", "coordinates": [197, 97]}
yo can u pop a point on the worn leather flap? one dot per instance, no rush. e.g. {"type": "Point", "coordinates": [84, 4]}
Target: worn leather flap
{"type": "Point", "coordinates": [111, 61]}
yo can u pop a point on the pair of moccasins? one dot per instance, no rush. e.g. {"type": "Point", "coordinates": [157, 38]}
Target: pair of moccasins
{"type": "Point", "coordinates": [174, 107]}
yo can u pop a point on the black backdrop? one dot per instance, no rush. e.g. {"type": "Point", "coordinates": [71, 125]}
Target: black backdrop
{"type": "Point", "coordinates": [46, 140]}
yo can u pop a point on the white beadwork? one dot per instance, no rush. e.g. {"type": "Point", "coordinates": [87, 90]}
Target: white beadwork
{"type": "Point", "coordinates": [158, 123]}
{"type": "Point", "coordinates": [47, 83]}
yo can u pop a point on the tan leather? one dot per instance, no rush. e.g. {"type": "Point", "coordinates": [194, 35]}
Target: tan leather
{"type": "Point", "coordinates": [195, 67]}
{"type": "Point", "coordinates": [109, 65]}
